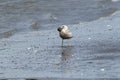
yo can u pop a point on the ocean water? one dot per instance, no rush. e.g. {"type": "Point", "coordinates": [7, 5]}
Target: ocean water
{"type": "Point", "coordinates": [92, 53]}
{"type": "Point", "coordinates": [27, 15]}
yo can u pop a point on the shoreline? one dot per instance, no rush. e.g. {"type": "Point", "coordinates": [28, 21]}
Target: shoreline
{"type": "Point", "coordinates": [93, 52]}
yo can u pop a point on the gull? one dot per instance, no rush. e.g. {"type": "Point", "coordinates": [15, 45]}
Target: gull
{"type": "Point", "coordinates": [64, 33]}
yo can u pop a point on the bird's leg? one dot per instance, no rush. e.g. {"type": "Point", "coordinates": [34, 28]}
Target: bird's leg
{"type": "Point", "coordinates": [62, 42]}
{"type": "Point", "coordinates": [69, 43]}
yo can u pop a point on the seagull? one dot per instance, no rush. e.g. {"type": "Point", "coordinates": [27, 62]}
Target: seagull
{"type": "Point", "coordinates": [64, 33]}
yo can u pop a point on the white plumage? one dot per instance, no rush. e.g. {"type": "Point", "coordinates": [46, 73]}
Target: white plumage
{"type": "Point", "coordinates": [64, 33]}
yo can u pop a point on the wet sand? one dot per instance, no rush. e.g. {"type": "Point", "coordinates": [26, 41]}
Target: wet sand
{"type": "Point", "coordinates": [93, 52]}
{"type": "Point", "coordinates": [20, 15]}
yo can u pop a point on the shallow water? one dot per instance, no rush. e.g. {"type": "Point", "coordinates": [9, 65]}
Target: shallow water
{"type": "Point", "coordinates": [92, 53]}
{"type": "Point", "coordinates": [20, 15]}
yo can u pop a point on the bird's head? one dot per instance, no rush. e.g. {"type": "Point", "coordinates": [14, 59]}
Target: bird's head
{"type": "Point", "coordinates": [59, 29]}
{"type": "Point", "coordinates": [62, 27]}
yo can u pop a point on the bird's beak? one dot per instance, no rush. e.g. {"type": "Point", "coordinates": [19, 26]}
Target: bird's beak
{"type": "Point", "coordinates": [59, 29]}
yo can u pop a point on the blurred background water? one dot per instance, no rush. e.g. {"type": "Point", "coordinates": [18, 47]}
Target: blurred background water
{"type": "Point", "coordinates": [27, 15]}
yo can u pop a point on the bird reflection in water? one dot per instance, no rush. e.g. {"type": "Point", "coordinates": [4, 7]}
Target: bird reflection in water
{"type": "Point", "coordinates": [66, 57]}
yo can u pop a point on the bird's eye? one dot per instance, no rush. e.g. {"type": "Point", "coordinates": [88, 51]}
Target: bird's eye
{"type": "Point", "coordinates": [59, 29]}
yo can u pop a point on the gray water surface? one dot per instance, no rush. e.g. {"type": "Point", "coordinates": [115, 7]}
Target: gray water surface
{"type": "Point", "coordinates": [22, 15]}
{"type": "Point", "coordinates": [30, 46]}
